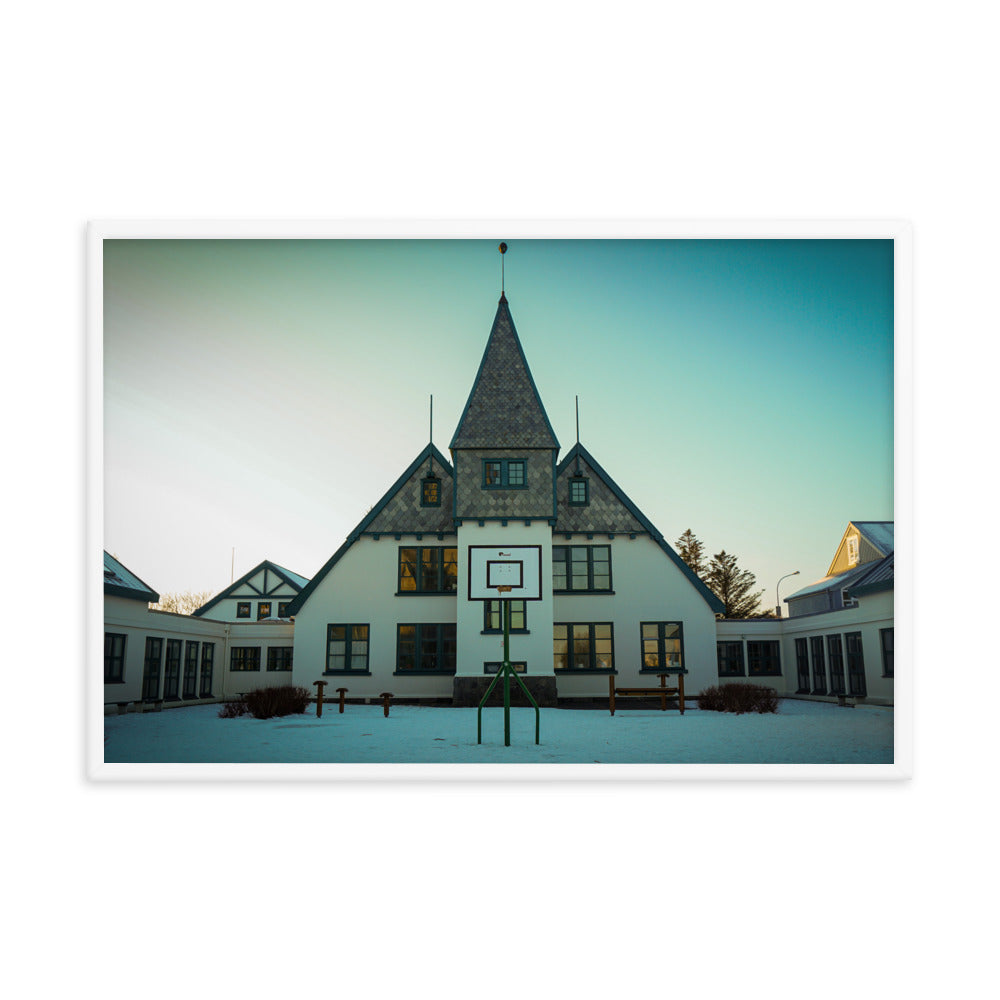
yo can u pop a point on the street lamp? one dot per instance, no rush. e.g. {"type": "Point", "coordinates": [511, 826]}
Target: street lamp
{"type": "Point", "coordinates": [777, 609]}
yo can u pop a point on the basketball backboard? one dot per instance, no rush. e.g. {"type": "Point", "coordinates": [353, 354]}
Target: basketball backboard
{"type": "Point", "coordinates": [518, 567]}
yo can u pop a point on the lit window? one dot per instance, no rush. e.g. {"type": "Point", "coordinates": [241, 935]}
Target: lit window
{"type": "Point", "coordinates": [428, 570]}
{"type": "Point", "coordinates": [430, 492]}
{"type": "Point", "coordinates": [263, 610]}
{"type": "Point", "coordinates": [662, 646]}
{"type": "Point", "coordinates": [852, 550]}
{"type": "Point", "coordinates": [583, 646]}
{"type": "Point", "coordinates": [346, 649]}
{"type": "Point", "coordinates": [242, 609]}
{"type": "Point", "coordinates": [505, 473]}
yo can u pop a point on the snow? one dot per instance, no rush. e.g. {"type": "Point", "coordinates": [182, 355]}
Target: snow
{"type": "Point", "coordinates": [799, 733]}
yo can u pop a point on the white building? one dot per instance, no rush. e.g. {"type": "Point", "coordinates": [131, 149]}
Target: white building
{"type": "Point", "coordinates": [390, 610]}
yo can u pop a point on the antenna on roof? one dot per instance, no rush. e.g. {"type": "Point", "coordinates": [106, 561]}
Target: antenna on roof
{"type": "Point", "coordinates": [503, 250]}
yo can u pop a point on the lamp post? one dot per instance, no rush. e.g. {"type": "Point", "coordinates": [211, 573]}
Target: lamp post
{"type": "Point", "coordinates": [777, 602]}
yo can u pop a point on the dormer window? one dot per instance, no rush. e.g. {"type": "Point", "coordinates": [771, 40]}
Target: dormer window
{"type": "Point", "coordinates": [852, 550]}
{"type": "Point", "coordinates": [430, 492]}
{"type": "Point", "coordinates": [579, 491]}
{"type": "Point", "coordinates": [505, 473]}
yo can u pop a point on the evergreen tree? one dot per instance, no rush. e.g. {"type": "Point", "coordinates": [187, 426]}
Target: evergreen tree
{"type": "Point", "coordinates": [733, 586]}
{"type": "Point", "coordinates": [692, 552]}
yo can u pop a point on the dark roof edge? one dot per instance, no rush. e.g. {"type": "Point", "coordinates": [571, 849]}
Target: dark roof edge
{"type": "Point", "coordinates": [711, 600]}
{"type": "Point", "coordinates": [223, 594]}
{"type": "Point", "coordinates": [296, 604]}
{"type": "Point", "coordinates": [146, 596]}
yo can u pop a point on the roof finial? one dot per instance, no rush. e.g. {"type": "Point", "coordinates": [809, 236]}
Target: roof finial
{"type": "Point", "coordinates": [503, 250]}
{"type": "Point", "coordinates": [577, 435]}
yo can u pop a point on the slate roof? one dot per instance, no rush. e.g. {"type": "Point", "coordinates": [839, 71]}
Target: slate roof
{"type": "Point", "coordinates": [119, 581]}
{"type": "Point", "coordinates": [504, 409]}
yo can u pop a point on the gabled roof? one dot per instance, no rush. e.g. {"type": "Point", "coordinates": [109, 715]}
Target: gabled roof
{"type": "Point", "coordinates": [430, 452]}
{"type": "Point", "coordinates": [294, 580]}
{"type": "Point", "coordinates": [504, 409]}
{"type": "Point", "coordinates": [879, 577]}
{"type": "Point", "coordinates": [836, 582]}
{"type": "Point", "coordinates": [119, 581]}
{"type": "Point", "coordinates": [879, 533]}
{"type": "Point", "coordinates": [618, 494]}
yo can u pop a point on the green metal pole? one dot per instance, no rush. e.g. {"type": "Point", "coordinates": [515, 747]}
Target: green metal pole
{"type": "Point", "coordinates": [506, 673]}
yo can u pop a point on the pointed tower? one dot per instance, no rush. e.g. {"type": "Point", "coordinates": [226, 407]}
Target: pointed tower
{"type": "Point", "coordinates": [504, 454]}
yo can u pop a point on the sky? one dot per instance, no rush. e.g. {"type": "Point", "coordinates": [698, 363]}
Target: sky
{"type": "Point", "coordinates": [260, 396]}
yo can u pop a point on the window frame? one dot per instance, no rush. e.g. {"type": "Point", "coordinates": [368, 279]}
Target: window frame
{"type": "Point", "coordinates": [817, 654]}
{"type": "Point", "coordinates": [567, 560]}
{"type": "Point", "coordinates": [189, 683]}
{"type": "Point", "coordinates": [773, 663]}
{"type": "Point", "coordinates": [583, 481]}
{"type": "Point", "coordinates": [738, 644]}
{"type": "Point", "coordinates": [503, 473]}
{"type": "Point", "coordinates": [172, 666]}
{"type": "Point", "coordinates": [661, 652]}
{"type": "Point", "coordinates": [424, 483]}
{"type": "Point", "coordinates": [350, 656]}
{"type": "Point", "coordinates": [489, 611]}
{"type": "Point", "coordinates": [249, 658]}
{"type": "Point", "coordinates": [207, 669]}
{"type": "Point", "coordinates": [283, 608]}
{"type": "Point", "coordinates": [114, 661]}
{"type": "Point", "coordinates": [272, 666]}
{"type": "Point", "coordinates": [441, 642]}
{"type": "Point", "coordinates": [243, 609]}
{"type": "Point", "coordinates": [263, 610]}
{"type": "Point", "coordinates": [888, 661]}
{"type": "Point", "coordinates": [857, 680]}
{"type": "Point", "coordinates": [441, 563]}
{"type": "Point", "coordinates": [835, 659]}
{"type": "Point", "coordinates": [570, 637]}
{"type": "Point", "coordinates": [151, 659]}
{"type": "Point", "coordinates": [803, 677]}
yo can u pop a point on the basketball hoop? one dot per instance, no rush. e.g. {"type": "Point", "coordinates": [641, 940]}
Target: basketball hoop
{"type": "Point", "coordinates": [504, 590]}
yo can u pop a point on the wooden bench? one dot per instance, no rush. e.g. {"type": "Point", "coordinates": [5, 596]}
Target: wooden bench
{"type": "Point", "coordinates": [662, 692]}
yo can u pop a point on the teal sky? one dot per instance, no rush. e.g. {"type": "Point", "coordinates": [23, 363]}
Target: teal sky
{"type": "Point", "coordinates": [262, 395]}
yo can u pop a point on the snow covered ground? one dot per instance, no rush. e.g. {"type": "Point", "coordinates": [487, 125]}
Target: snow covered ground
{"type": "Point", "coordinates": [800, 733]}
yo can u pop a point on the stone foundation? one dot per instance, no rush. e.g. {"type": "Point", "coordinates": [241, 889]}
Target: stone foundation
{"type": "Point", "coordinates": [467, 692]}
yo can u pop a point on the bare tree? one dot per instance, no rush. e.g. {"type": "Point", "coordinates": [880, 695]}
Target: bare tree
{"type": "Point", "coordinates": [182, 603]}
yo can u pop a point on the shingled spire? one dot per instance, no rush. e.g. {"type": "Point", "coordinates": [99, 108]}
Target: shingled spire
{"type": "Point", "coordinates": [504, 409]}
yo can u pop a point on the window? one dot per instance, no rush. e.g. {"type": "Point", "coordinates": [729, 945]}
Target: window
{"type": "Point", "coordinates": [493, 615]}
{"type": "Point", "coordinates": [836, 654]}
{"type": "Point", "coordinates": [430, 492]}
{"type": "Point", "coordinates": [428, 570]}
{"type": "Point", "coordinates": [151, 668]}
{"type": "Point", "coordinates": [494, 667]}
{"type": "Point", "coordinates": [207, 662]}
{"type": "Point", "coordinates": [885, 634]}
{"type": "Point", "coordinates": [242, 609]}
{"type": "Point", "coordinates": [425, 649]}
{"type": "Point", "coordinates": [855, 664]}
{"type": "Point", "coordinates": [577, 568]}
{"type": "Point", "coordinates": [244, 658]}
{"type": "Point", "coordinates": [114, 658]}
{"type": "Point", "coordinates": [802, 666]}
{"type": "Point", "coordinates": [191, 670]}
{"type": "Point", "coordinates": [172, 672]}
{"type": "Point", "coordinates": [819, 665]}
{"type": "Point", "coordinates": [279, 658]}
{"type": "Point", "coordinates": [852, 550]}
{"type": "Point", "coordinates": [263, 610]}
{"type": "Point", "coordinates": [283, 608]}
{"type": "Point", "coordinates": [579, 491]}
{"type": "Point", "coordinates": [346, 649]}
{"type": "Point", "coordinates": [730, 658]}
{"type": "Point", "coordinates": [662, 646]}
{"type": "Point", "coordinates": [846, 600]}
{"type": "Point", "coordinates": [583, 646]}
{"type": "Point", "coordinates": [763, 658]}
{"type": "Point", "coordinates": [505, 473]}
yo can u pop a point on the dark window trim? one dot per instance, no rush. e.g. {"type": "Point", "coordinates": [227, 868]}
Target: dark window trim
{"type": "Point", "coordinates": [114, 661]}
{"type": "Point", "coordinates": [888, 663]}
{"type": "Point", "coordinates": [738, 643]}
{"type": "Point", "coordinates": [592, 639]}
{"type": "Point", "coordinates": [172, 678]}
{"type": "Point", "coordinates": [568, 560]}
{"type": "Point", "coordinates": [262, 607]}
{"type": "Point", "coordinates": [487, 630]}
{"type": "Point", "coordinates": [857, 681]}
{"type": "Point", "coordinates": [585, 482]}
{"type": "Point", "coordinates": [802, 665]}
{"type": "Point", "coordinates": [249, 659]}
{"type": "Point", "coordinates": [774, 646]}
{"type": "Point", "coordinates": [272, 659]}
{"type": "Point", "coordinates": [424, 483]}
{"type": "Point", "coordinates": [661, 653]}
{"type": "Point", "coordinates": [441, 561]}
{"type": "Point", "coordinates": [440, 642]}
{"type": "Point", "coordinates": [207, 669]}
{"type": "Point", "coordinates": [151, 659]}
{"type": "Point", "coordinates": [835, 658]}
{"type": "Point", "coordinates": [349, 654]}
{"type": "Point", "coordinates": [189, 689]}
{"type": "Point", "coordinates": [817, 654]}
{"type": "Point", "coordinates": [283, 608]}
{"type": "Point", "coordinates": [504, 483]}
{"type": "Point", "coordinates": [242, 609]}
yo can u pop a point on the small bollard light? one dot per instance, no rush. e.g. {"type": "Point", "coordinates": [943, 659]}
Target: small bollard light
{"type": "Point", "coordinates": [319, 685]}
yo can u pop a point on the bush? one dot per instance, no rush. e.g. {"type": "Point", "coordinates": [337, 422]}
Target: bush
{"type": "Point", "coordinates": [266, 703]}
{"type": "Point", "coordinates": [233, 709]}
{"type": "Point", "coordinates": [738, 698]}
